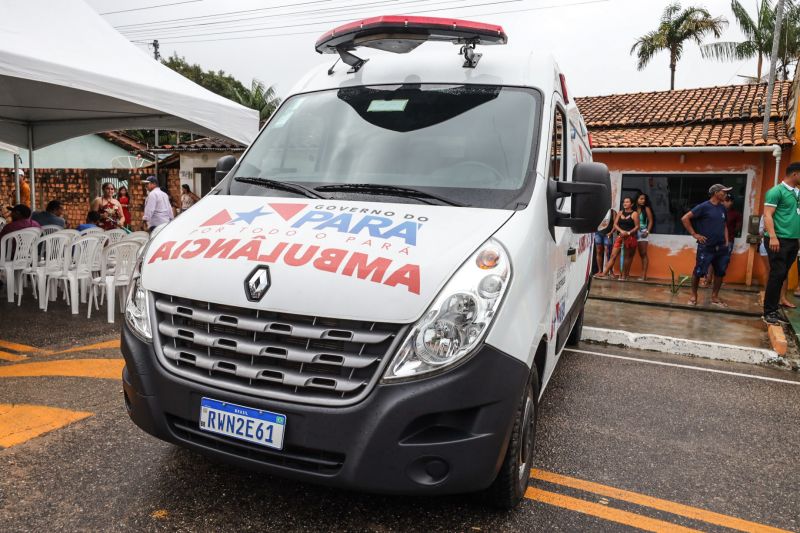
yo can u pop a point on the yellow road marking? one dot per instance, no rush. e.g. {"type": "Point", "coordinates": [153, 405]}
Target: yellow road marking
{"type": "Point", "coordinates": [85, 368]}
{"type": "Point", "coordinates": [604, 512]}
{"type": "Point", "coordinates": [6, 356]}
{"type": "Point", "coordinates": [654, 503]}
{"type": "Point", "coordinates": [107, 345]}
{"type": "Point", "coordinates": [20, 423]}
{"type": "Point", "coordinates": [22, 348]}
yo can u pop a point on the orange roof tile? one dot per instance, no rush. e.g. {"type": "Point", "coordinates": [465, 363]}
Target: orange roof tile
{"type": "Point", "coordinates": [711, 116]}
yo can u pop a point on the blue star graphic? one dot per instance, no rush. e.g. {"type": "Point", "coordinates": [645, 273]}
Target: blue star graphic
{"type": "Point", "coordinates": [249, 216]}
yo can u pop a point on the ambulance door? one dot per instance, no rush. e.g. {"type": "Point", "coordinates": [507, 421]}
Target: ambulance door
{"type": "Point", "coordinates": [561, 264]}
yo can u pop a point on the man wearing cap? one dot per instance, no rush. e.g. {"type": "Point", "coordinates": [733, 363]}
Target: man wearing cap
{"type": "Point", "coordinates": [781, 231]}
{"type": "Point", "coordinates": [706, 222]}
{"type": "Point", "coordinates": [157, 207]}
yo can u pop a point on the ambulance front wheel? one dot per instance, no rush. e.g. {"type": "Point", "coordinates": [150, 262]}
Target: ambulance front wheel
{"type": "Point", "coordinates": [508, 488]}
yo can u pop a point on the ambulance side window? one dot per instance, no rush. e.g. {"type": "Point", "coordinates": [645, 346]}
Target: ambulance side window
{"type": "Point", "coordinates": [558, 146]}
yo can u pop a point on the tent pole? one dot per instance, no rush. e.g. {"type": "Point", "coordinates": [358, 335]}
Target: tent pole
{"type": "Point", "coordinates": [16, 177]}
{"type": "Point", "coordinates": [30, 163]}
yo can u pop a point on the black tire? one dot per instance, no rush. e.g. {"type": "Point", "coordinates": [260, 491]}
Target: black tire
{"type": "Point", "coordinates": [508, 488]}
{"type": "Point", "coordinates": [577, 331]}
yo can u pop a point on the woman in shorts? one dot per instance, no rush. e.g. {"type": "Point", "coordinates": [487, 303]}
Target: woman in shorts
{"type": "Point", "coordinates": [603, 240]}
{"type": "Point", "coordinates": [645, 213]}
{"type": "Point", "coordinates": [626, 224]}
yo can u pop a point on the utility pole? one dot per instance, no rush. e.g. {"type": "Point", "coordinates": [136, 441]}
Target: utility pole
{"type": "Point", "coordinates": [776, 39]}
{"type": "Point", "coordinates": [157, 57]}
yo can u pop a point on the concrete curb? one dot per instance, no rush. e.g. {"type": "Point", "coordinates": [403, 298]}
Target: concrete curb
{"type": "Point", "coordinates": [674, 345]}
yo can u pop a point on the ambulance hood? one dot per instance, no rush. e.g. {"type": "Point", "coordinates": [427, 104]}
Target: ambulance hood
{"type": "Point", "coordinates": [367, 261]}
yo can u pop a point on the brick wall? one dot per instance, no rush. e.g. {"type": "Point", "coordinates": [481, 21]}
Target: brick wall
{"type": "Point", "coordinates": [76, 188]}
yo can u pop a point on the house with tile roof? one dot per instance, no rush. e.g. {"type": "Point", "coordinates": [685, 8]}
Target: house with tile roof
{"type": "Point", "coordinates": [673, 145]}
{"type": "Point", "coordinates": [197, 160]}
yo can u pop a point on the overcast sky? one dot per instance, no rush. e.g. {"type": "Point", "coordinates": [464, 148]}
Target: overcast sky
{"type": "Point", "coordinates": [591, 39]}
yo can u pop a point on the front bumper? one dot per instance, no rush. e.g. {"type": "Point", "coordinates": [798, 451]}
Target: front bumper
{"type": "Point", "coordinates": [440, 435]}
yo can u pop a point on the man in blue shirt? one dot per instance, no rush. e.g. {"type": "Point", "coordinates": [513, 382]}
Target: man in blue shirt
{"type": "Point", "coordinates": [706, 222]}
{"type": "Point", "coordinates": [52, 216]}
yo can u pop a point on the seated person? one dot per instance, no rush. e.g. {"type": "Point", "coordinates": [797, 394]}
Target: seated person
{"type": "Point", "coordinates": [92, 219]}
{"type": "Point", "coordinates": [53, 215]}
{"type": "Point", "coordinates": [20, 219]}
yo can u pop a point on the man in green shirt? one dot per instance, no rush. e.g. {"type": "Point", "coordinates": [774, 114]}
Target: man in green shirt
{"type": "Point", "coordinates": [782, 231]}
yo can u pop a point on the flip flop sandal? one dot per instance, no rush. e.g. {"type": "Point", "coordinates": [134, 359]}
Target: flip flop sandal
{"type": "Point", "coordinates": [789, 305]}
{"type": "Point", "coordinates": [721, 305]}
{"type": "Point", "coordinates": [692, 302]}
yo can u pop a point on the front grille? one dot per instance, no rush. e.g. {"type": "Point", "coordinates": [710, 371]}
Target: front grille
{"type": "Point", "coordinates": [272, 355]}
{"type": "Point", "coordinates": [294, 457]}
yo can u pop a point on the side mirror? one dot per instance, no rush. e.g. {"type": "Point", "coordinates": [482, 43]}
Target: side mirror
{"type": "Point", "coordinates": [224, 165]}
{"type": "Point", "coordinates": [590, 191]}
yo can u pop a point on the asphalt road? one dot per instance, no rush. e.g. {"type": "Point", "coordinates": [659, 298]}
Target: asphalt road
{"type": "Point", "coordinates": [688, 447]}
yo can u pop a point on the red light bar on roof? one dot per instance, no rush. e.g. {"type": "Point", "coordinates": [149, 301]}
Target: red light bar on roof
{"type": "Point", "coordinates": [401, 34]}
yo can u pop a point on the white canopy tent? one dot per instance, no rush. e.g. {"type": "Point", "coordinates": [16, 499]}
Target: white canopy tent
{"type": "Point", "coordinates": [65, 72]}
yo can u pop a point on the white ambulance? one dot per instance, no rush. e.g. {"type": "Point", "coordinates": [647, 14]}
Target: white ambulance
{"type": "Point", "coordinates": [376, 294]}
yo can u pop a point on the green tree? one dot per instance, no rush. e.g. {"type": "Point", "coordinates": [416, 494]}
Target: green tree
{"type": "Point", "coordinates": [757, 36]}
{"type": "Point", "coordinates": [676, 27]}
{"type": "Point", "coordinates": [258, 97]}
{"type": "Point", "coordinates": [215, 81]}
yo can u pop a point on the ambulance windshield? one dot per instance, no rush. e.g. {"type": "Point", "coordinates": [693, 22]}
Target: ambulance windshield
{"type": "Point", "coordinates": [471, 144]}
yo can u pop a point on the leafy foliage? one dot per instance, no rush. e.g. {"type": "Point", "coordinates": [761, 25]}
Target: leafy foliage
{"type": "Point", "coordinates": [676, 27]}
{"type": "Point", "coordinates": [258, 96]}
{"type": "Point", "coordinates": [217, 82]}
{"type": "Point", "coordinates": [758, 33]}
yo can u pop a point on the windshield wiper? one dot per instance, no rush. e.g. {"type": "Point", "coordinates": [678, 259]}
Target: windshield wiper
{"type": "Point", "coordinates": [281, 186]}
{"type": "Point", "coordinates": [389, 190]}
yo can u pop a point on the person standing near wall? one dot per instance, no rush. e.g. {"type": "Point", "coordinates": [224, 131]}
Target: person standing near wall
{"type": "Point", "coordinates": [707, 223]}
{"type": "Point", "coordinates": [111, 215]}
{"type": "Point", "coordinates": [781, 234]}
{"type": "Point", "coordinates": [645, 228]}
{"type": "Point", "coordinates": [157, 207]}
{"type": "Point", "coordinates": [188, 198]}
{"type": "Point", "coordinates": [125, 200]}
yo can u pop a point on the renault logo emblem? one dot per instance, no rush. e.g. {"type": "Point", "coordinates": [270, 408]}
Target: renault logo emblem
{"type": "Point", "coordinates": [257, 283]}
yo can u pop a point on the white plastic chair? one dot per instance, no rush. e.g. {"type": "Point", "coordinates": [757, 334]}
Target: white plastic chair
{"type": "Point", "coordinates": [115, 235]}
{"type": "Point", "coordinates": [88, 231]}
{"type": "Point", "coordinates": [50, 228]}
{"type": "Point", "coordinates": [2, 223]}
{"type": "Point", "coordinates": [55, 250]}
{"type": "Point", "coordinates": [137, 235]}
{"type": "Point", "coordinates": [124, 254]}
{"type": "Point", "coordinates": [77, 268]}
{"type": "Point", "coordinates": [17, 248]}
{"type": "Point", "coordinates": [72, 232]}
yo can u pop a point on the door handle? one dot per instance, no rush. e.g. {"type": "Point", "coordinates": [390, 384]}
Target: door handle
{"type": "Point", "coordinates": [572, 253]}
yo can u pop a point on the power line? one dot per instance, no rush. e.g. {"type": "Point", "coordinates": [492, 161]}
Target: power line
{"type": "Point", "coordinates": [339, 10]}
{"type": "Point", "coordinates": [150, 7]}
{"type": "Point", "coordinates": [181, 19]}
{"type": "Point", "coordinates": [291, 34]}
{"type": "Point", "coordinates": [349, 7]}
{"type": "Point", "coordinates": [300, 25]}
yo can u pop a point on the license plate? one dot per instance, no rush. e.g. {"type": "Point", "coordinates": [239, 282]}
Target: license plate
{"type": "Point", "coordinates": [244, 423]}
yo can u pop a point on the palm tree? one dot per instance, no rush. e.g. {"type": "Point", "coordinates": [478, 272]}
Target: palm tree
{"type": "Point", "coordinates": [258, 97]}
{"type": "Point", "coordinates": [757, 33]}
{"type": "Point", "coordinates": [677, 26]}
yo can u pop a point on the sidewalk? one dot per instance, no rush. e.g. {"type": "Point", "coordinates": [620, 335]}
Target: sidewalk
{"type": "Point", "coordinates": [649, 316]}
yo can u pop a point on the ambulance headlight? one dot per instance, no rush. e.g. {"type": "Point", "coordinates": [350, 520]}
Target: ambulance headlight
{"type": "Point", "coordinates": [137, 311]}
{"type": "Point", "coordinates": [458, 319]}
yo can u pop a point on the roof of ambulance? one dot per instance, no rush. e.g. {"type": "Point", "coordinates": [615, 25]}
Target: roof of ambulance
{"type": "Point", "coordinates": [436, 62]}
